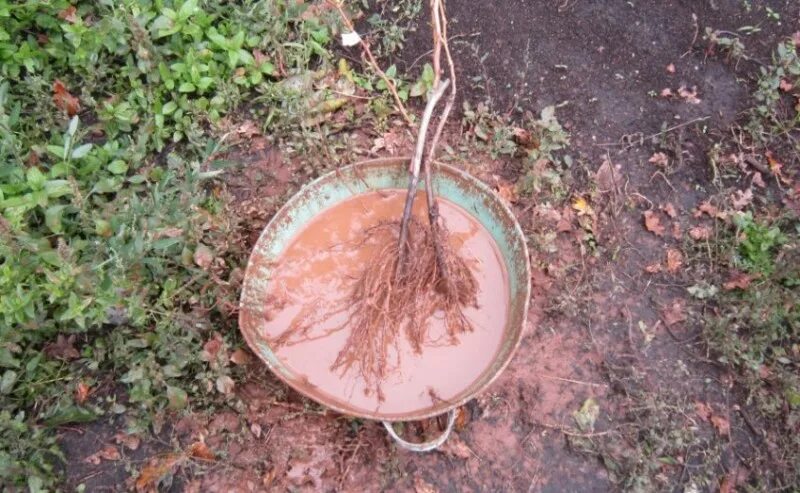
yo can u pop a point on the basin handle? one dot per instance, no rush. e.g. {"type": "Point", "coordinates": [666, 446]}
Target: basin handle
{"type": "Point", "coordinates": [424, 446]}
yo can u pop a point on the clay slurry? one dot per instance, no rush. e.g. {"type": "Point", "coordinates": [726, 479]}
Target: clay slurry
{"type": "Point", "coordinates": [315, 275]}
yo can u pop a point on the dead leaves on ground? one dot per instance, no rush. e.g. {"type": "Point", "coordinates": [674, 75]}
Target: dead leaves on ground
{"type": "Point", "coordinates": [653, 223]}
{"type": "Point", "coordinates": [739, 280]}
{"type": "Point", "coordinates": [109, 453]}
{"type": "Point", "coordinates": [64, 100]}
{"type": "Point", "coordinates": [159, 467]}
{"type": "Point", "coordinates": [720, 423]}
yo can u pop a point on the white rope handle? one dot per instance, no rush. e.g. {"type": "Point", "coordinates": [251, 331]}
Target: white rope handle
{"type": "Point", "coordinates": [424, 446]}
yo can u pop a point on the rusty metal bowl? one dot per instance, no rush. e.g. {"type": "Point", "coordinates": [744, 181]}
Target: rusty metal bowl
{"type": "Point", "coordinates": [451, 184]}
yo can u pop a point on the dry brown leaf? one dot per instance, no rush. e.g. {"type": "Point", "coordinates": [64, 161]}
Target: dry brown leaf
{"type": "Point", "coordinates": [390, 141]}
{"type": "Point", "coordinates": [722, 425]}
{"type": "Point", "coordinates": [666, 93]}
{"type": "Point", "coordinates": [607, 176]}
{"type": "Point", "coordinates": [203, 256]}
{"type": "Point", "coordinates": [64, 100]}
{"type": "Point", "coordinates": [727, 485]}
{"type": "Point", "coordinates": [703, 410]}
{"type": "Point", "coordinates": [739, 280]}
{"type": "Point", "coordinates": [674, 313]}
{"type": "Point", "coordinates": [225, 384]}
{"type": "Point", "coordinates": [159, 467]}
{"type": "Point", "coordinates": [674, 260]}
{"type": "Point", "coordinates": [700, 233]}
{"type": "Point", "coordinates": [129, 441]}
{"type": "Point", "coordinates": [211, 348]}
{"type": "Point", "coordinates": [455, 446]}
{"type": "Point", "coordinates": [199, 450]}
{"type": "Point", "coordinates": [677, 233]}
{"type": "Point", "coordinates": [710, 210]}
{"type": "Point", "coordinates": [507, 192]}
{"type": "Point", "coordinates": [659, 159]}
{"type": "Point", "coordinates": [758, 180]}
{"type": "Point", "coordinates": [581, 205]}
{"type": "Point", "coordinates": [81, 392]}
{"type": "Point", "coordinates": [653, 223]}
{"type": "Point", "coordinates": [689, 95]}
{"type": "Point", "coordinates": [524, 138]}
{"type": "Point", "coordinates": [786, 86]}
{"type": "Point", "coordinates": [109, 452]}
{"type": "Point", "coordinates": [69, 14]}
{"type": "Point", "coordinates": [653, 268]}
{"type": "Point", "coordinates": [669, 209]}
{"type": "Point", "coordinates": [240, 357]}
{"type": "Point", "coordinates": [742, 198]}
{"type": "Point", "coordinates": [63, 348]}
{"type": "Point", "coordinates": [421, 486]}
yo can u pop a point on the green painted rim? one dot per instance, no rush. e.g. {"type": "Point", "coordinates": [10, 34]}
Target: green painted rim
{"type": "Point", "coordinates": [451, 184]}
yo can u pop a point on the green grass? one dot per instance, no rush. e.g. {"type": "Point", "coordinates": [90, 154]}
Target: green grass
{"type": "Point", "coordinates": [111, 240]}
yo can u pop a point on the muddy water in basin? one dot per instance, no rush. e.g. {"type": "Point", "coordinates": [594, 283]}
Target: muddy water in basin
{"type": "Point", "coordinates": [315, 275]}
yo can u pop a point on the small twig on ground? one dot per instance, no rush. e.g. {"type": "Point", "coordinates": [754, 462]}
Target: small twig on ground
{"type": "Point", "coordinates": [573, 433]}
{"type": "Point", "coordinates": [579, 382]}
{"type": "Point", "coordinates": [653, 136]}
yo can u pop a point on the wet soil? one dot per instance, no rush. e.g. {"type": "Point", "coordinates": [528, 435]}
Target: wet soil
{"type": "Point", "coordinates": [595, 322]}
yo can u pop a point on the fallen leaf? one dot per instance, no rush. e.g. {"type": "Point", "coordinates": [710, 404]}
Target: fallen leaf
{"type": "Point", "coordinates": [421, 486]}
{"type": "Point", "coordinates": [248, 129]}
{"type": "Point", "coordinates": [131, 442]}
{"type": "Point", "coordinates": [758, 180]}
{"type": "Point", "coordinates": [524, 138]}
{"type": "Point", "coordinates": [669, 209]}
{"type": "Point", "coordinates": [68, 14]}
{"type": "Point", "coordinates": [739, 280]}
{"type": "Point", "coordinates": [674, 260]}
{"type": "Point", "coordinates": [700, 233]}
{"type": "Point", "coordinates": [666, 93]}
{"type": "Point", "coordinates": [727, 484]}
{"type": "Point", "coordinates": [225, 384]}
{"type": "Point", "coordinates": [64, 100]}
{"type": "Point", "coordinates": [710, 210]}
{"type": "Point", "coordinates": [81, 392]}
{"type": "Point", "coordinates": [607, 176]}
{"type": "Point", "coordinates": [786, 86]}
{"type": "Point", "coordinates": [659, 159]}
{"type": "Point", "coordinates": [703, 410]}
{"type": "Point", "coordinates": [199, 450]}
{"type": "Point", "coordinates": [689, 95]}
{"type": "Point", "coordinates": [154, 472]}
{"type": "Point", "coordinates": [742, 198]}
{"type": "Point", "coordinates": [507, 192]}
{"type": "Point", "coordinates": [390, 141]}
{"type": "Point", "coordinates": [581, 205]}
{"type": "Point", "coordinates": [240, 357]}
{"type": "Point", "coordinates": [455, 446]}
{"type": "Point", "coordinates": [674, 313]}
{"type": "Point", "coordinates": [677, 233]}
{"type": "Point", "coordinates": [654, 268]}
{"type": "Point", "coordinates": [109, 453]}
{"type": "Point", "coordinates": [722, 425]}
{"type": "Point", "coordinates": [671, 68]}
{"type": "Point", "coordinates": [653, 223]}
{"type": "Point", "coordinates": [63, 348]}
{"type": "Point", "coordinates": [211, 348]}
{"type": "Point", "coordinates": [203, 256]}
{"type": "Point", "coordinates": [255, 429]}
{"type": "Point", "coordinates": [586, 416]}
{"type": "Point", "coordinates": [776, 167]}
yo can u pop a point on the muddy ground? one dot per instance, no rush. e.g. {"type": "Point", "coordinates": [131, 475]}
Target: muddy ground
{"type": "Point", "coordinates": [596, 327]}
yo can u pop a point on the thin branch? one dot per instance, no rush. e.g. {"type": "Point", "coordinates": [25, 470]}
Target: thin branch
{"type": "Point", "coordinates": [373, 63]}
